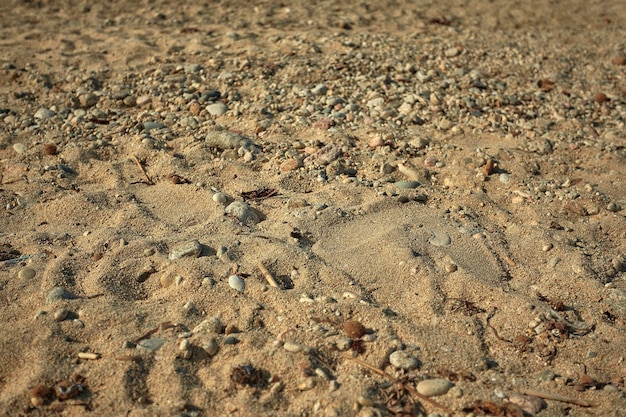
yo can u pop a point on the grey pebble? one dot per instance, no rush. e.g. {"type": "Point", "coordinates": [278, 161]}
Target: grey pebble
{"type": "Point", "coordinates": [504, 178]}
{"type": "Point", "coordinates": [211, 347]}
{"type": "Point", "coordinates": [401, 359]}
{"type": "Point", "coordinates": [243, 212]}
{"type": "Point", "coordinates": [343, 343]}
{"type": "Point", "coordinates": [57, 294]}
{"type": "Point", "coordinates": [220, 198]}
{"type": "Point", "coordinates": [292, 347]}
{"type": "Point", "coordinates": [153, 344]}
{"type": "Point", "coordinates": [552, 262]}
{"type": "Point", "coordinates": [216, 109]}
{"type": "Point", "coordinates": [191, 248]}
{"type": "Point", "coordinates": [531, 405]}
{"type": "Point", "coordinates": [451, 52]}
{"type": "Point", "coordinates": [43, 114]}
{"type": "Point", "coordinates": [237, 283]}
{"type": "Point", "coordinates": [230, 340]}
{"type": "Point", "coordinates": [407, 184]}
{"type": "Point", "coordinates": [439, 239]}
{"type": "Point", "coordinates": [26, 273]}
{"type": "Point", "coordinates": [434, 387]}
{"type": "Point", "coordinates": [319, 90]}
{"type": "Point", "coordinates": [306, 384]}
{"type": "Point", "coordinates": [148, 126]}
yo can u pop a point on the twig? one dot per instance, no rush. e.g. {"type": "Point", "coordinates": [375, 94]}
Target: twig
{"type": "Point", "coordinates": [143, 171]}
{"type": "Point", "coordinates": [21, 258]}
{"type": "Point", "coordinates": [407, 387]}
{"type": "Point", "coordinates": [558, 397]}
{"type": "Point", "coordinates": [268, 276]}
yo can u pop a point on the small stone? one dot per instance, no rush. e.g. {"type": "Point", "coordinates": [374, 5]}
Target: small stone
{"type": "Point", "coordinates": [57, 294]}
{"type": "Point", "coordinates": [305, 384]}
{"type": "Point", "coordinates": [19, 147]}
{"type": "Point", "coordinates": [407, 184]}
{"type": "Point", "coordinates": [60, 314]}
{"type": "Point", "coordinates": [529, 404]}
{"type": "Point", "coordinates": [553, 262]}
{"type": "Point", "coordinates": [600, 98]}
{"type": "Point", "coordinates": [144, 100]}
{"type": "Point", "coordinates": [319, 90]}
{"type": "Point", "coordinates": [434, 387]}
{"type": "Point", "coordinates": [456, 392]}
{"type": "Point", "coordinates": [191, 248]}
{"type": "Point", "coordinates": [88, 100]}
{"type": "Point", "coordinates": [130, 101]}
{"type": "Point", "coordinates": [243, 212]}
{"type": "Point", "coordinates": [230, 340]}
{"type": "Point", "coordinates": [153, 344]}
{"type": "Point", "coordinates": [44, 114]}
{"type": "Point", "coordinates": [619, 60]}
{"type": "Point", "coordinates": [236, 283]}
{"type": "Point", "coordinates": [403, 360]}
{"type": "Point", "coordinates": [220, 198]}
{"type": "Point", "coordinates": [430, 161]}
{"type": "Point", "coordinates": [619, 263]}
{"type": "Point", "coordinates": [211, 347]}
{"type": "Point", "coordinates": [354, 329]}
{"type": "Point", "coordinates": [547, 247]}
{"type": "Point", "coordinates": [440, 239]}
{"type": "Point", "coordinates": [450, 267]}
{"type": "Point", "coordinates": [343, 343]}
{"type": "Point", "coordinates": [50, 149]}
{"type": "Point", "coordinates": [26, 273]}
{"type": "Point", "coordinates": [292, 347]}
{"type": "Point", "coordinates": [148, 126]}
{"type": "Point", "coordinates": [504, 178]}
{"type": "Point", "coordinates": [184, 345]}
{"type": "Point", "coordinates": [451, 52]}
{"type": "Point", "coordinates": [290, 164]}
{"type": "Point", "coordinates": [217, 109]}
{"type": "Point", "coordinates": [612, 207]}
{"type": "Point", "coordinates": [210, 325]}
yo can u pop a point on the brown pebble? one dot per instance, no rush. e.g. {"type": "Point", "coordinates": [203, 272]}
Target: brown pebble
{"type": "Point", "coordinates": [619, 60]}
{"type": "Point", "coordinates": [40, 391]}
{"type": "Point", "coordinates": [600, 98]}
{"type": "Point", "coordinates": [195, 108]}
{"type": "Point", "coordinates": [488, 168]}
{"type": "Point", "coordinates": [230, 329]}
{"type": "Point", "coordinates": [96, 256]}
{"type": "Point", "coordinates": [354, 329]}
{"type": "Point", "coordinates": [128, 358]}
{"type": "Point", "coordinates": [50, 149]}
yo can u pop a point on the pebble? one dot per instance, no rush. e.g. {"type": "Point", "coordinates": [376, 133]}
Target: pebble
{"type": "Point", "coordinates": [19, 147]}
{"type": "Point", "coordinates": [434, 387]}
{"type": "Point", "coordinates": [451, 52]}
{"type": "Point", "coordinates": [305, 384]}
{"type": "Point", "coordinates": [220, 198]}
{"type": "Point", "coordinates": [243, 212]}
{"type": "Point", "coordinates": [343, 343]}
{"type": "Point", "coordinates": [407, 184]}
{"type": "Point", "coordinates": [216, 109]}
{"type": "Point", "coordinates": [403, 360]}
{"type": "Point", "coordinates": [88, 100]}
{"type": "Point", "coordinates": [210, 325]}
{"type": "Point", "coordinates": [44, 114]}
{"type": "Point", "coordinates": [439, 239]}
{"type": "Point", "coordinates": [230, 340]}
{"type": "Point", "coordinates": [57, 294]}
{"type": "Point", "coordinates": [60, 314]}
{"type": "Point", "coordinates": [552, 262]}
{"type": "Point", "coordinates": [504, 178]}
{"type": "Point", "coordinates": [148, 126]}
{"type": "Point", "coordinates": [292, 347]}
{"type": "Point", "coordinates": [236, 283]}
{"type": "Point", "coordinates": [529, 404]}
{"type": "Point", "coordinates": [26, 273]}
{"type": "Point", "coordinates": [153, 344]}
{"type": "Point", "coordinates": [319, 90]}
{"type": "Point", "coordinates": [547, 247]}
{"type": "Point", "coordinates": [211, 347]}
{"type": "Point", "coordinates": [191, 248]}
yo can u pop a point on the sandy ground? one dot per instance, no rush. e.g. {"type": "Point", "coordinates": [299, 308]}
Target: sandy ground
{"type": "Point", "coordinates": [223, 208]}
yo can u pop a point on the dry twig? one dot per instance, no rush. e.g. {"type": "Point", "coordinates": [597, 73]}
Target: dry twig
{"type": "Point", "coordinates": [558, 397]}
{"type": "Point", "coordinates": [143, 170]}
{"type": "Point", "coordinates": [268, 276]}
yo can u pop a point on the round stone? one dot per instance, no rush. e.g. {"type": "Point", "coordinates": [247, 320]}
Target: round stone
{"type": "Point", "coordinates": [434, 387]}
{"type": "Point", "coordinates": [220, 198]}
{"type": "Point", "coordinates": [216, 109]}
{"type": "Point", "coordinates": [403, 360]}
{"type": "Point", "coordinates": [211, 347]}
{"type": "Point", "coordinates": [407, 184]}
{"type": "Point", "coordinates": [236, 283]}
{"type": "Point", "coordinates": [439, 239]}
{"type": "Point", "coordinates": [26, 273]}
{"type": "Point", "coordinates": [56, 294]}
{"type": "Point", "coordinates": [243, 212]}
{"type": "Point", "coordinates": [19, 147]}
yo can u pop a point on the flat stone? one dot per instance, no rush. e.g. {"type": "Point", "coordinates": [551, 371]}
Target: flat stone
{"type": "Point", "coordinates": [407, 184]}
{"type": "Point", "coordinates": [211, 347]}
{"type": "Point", "coordinates": [26, 273]}
{"type": "Point", "coordinates": [531, 405]}
{"type": "Point", "coordinates": [44, 114]}
{"type": "Point", "coordinates": [403, 360]}
{"type": "Point", "coordinates": [20, 147]}
{"type": "Point", "coordinates": [243, 212]}
{"type": "Point", "coordinates": [434, 387]}
{"type": "Point", "coordinates": [153, 344]}
{"type": "Point", "coordinates": [148, 126]}
{"type": "Point", "coordinates": [292, 347]}
{"type": "Point", "coordinates": [210, 325]}
{"type": "Point", "coordinates": [439, 239]}
{"type": "Point", "coordinates": [319, 90]}
{"type": "Point", "coordinates": [216, 109]}
{"type": "Point", "coordinates": [57, 294]}
{"type": "Point", "coordinates": [191, 248]}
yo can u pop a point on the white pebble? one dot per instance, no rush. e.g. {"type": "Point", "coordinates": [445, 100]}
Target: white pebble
{"type": "Point", "coordinates": [236, 283]}
{"type": "Point", "coordinates": [403, 360]}
{"type": "Point", "coordinates": [434, 387]}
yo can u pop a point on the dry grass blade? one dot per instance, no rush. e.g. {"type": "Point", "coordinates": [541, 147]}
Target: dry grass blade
{"type": "Point", "coordinates": [143, 171]}
{"type": "Point", "coordinates": [558, 397]}
{"type": "Point", "coordinates": [407, 387]}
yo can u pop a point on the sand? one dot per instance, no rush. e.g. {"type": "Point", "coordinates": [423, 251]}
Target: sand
{"type": "Point", "coordinates": [446, 177]}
